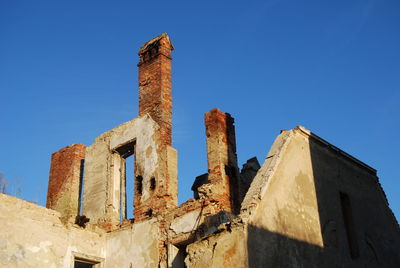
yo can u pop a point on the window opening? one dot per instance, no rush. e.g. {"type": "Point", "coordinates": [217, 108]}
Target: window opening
{"type": "Point", "coordinates": [129, 182]}
{"type": "Point", "coordinates": [82, 263]}
{"type": "Point", "coordinates": [81, 181]}
{"type": "Point", "coordinates": [122, 198]}
{"type": "Point", "coordinates": [127, 177]}
{"type": "Point", "coordinates": [349, 225]}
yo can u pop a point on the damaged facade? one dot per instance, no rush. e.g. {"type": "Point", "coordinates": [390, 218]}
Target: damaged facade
{"type": "Point", "coordinates": [308, 205]}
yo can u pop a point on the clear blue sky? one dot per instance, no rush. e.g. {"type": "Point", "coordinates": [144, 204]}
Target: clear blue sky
{"type": "Point", "coordinates": [68, 73]}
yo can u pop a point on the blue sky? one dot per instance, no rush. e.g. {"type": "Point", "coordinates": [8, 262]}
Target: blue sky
{"type": "Point", "coordinates": [68, 73]}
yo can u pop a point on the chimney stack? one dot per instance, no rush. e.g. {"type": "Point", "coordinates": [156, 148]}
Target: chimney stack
{"type": "Point", "coordinates": [155, 87]}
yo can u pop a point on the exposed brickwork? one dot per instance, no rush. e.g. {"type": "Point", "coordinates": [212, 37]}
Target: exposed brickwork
{"type": "Point", "coordinates": [205, 231]}
{"type": "Point", "coordinates": [64, 180]}
{"type": "Point", "coordinates": [155, 84]}
{"type": "Point", "coordinates": [162, 187]}
{"type": "Point", "coordinates": [155, 99]}
{"type": "Point", "coordinates": [222, 160]}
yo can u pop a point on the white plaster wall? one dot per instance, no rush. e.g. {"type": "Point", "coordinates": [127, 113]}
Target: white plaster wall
{"type": "Point", "coordinates": [101, 169]}
{"type": "Point", "coordinates": [33, 236]}
{"type": "Point", "coordinates": [289, 203]}
{"type": "Point", "coordinates": [141, 130]}
{"type": "Point", "coordinates": [95, 179]}
{"type": "Point", "coordinates": [186, 223]}
{"type": "Point", "coordinates": [134, 246]}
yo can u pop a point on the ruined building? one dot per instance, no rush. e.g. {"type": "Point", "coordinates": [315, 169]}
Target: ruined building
{"type": "Point", "coordinates": [308, 205]}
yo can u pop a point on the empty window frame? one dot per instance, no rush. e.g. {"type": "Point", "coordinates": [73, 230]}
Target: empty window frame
{"type": "Point", "coordinates": [78, 263]}
{"type": "Point", "coordinates": [349, 225]}
{"type": "Point", "coordinates": [81, 181]}
{"type": "Point", "coordinates": [80, 260]}
{"type": "Point", "coordinates": [126, 168]}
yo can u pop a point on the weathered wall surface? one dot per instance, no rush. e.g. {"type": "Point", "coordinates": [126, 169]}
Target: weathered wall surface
{"type": "Point", "coordinates": [300, 218]}
{"type": "Point", "coordinates": [223, 172]}
{"type": "Point", "coordinates": [33, 236]}
{"type": "Point", "coordinates": [64, 179]}
{"type": "Point", "coordinates": [226, 249]}
{"type": "Point", "coordinates": [285, 229]}
{"type": "Point", "coordinates": [358, 227]}
{"type": "Point", "coordinates": [103, 173]}
{"type": "Point", "coordinates": [134, 246]}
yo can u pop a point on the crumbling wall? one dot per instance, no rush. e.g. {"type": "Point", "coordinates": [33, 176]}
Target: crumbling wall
{"type": "Point", "coordinates": [136, 245]}
{"type": "Point", "coordinates": [311, 204]}
{"type": "Point", "coordinates": [223, 174]}
{"type": "Point", "coordinates": [64, 180]}
{"type": "Point", "coordinates": [225, 249]}
{"type": "Point", "coordinates": [34, 236]}
{"type": "Point", "coordinates": [284, 230]}
{"type": "Point", "coordinates": [103, 173]}
{"type": "Point", "coordinates": [247, 174]}
{"type": "Point", "coordinates": [358, 227]}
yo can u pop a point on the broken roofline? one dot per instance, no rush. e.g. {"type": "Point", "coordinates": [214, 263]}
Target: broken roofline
{"type": "Point", "coordinates": [155, 101]}
{"type": "Point", "coordinates": [332, 147]}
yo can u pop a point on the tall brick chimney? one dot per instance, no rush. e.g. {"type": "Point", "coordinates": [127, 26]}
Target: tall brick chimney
{"type": "Point", "coordinates": [223, 173]}
{"type": "Point", "coordinates": [155, 96]}
{"type": "Point", "coordinates": [156, 194]}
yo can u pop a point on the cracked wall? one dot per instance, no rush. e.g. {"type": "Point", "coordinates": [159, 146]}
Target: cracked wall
{"type": "Point", "coordinates": [34, 236]}
{"type": "Point", "coordinates": [103, 173]}
{"type": "Point", "coordinates": [308, 205]}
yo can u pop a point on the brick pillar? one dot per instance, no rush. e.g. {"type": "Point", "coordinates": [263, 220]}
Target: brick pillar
{"type": "Point", "coordinates": [155, 96]}
{"type": "Point", "coordinates": [223, 172]}
{"type": "Point", "coordinates": [64, 181]}
{"type": "Point", "coordinates": [156, 193]}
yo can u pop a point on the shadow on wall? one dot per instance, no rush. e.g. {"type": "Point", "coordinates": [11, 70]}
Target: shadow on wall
{"type": "Point", "coordinates": [357, 226]}
{"type": "Point", "coordinates": [269, 249]}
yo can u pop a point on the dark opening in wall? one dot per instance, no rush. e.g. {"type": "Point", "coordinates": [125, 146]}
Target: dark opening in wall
{"type": "Point", "coordinates": [349, 225]}
{"type": "Point", "coordinates": [139, 185]}
{"type": "Point", "coordinates": [81, 181]}
{"type": "Point", "coordinates": [152, 184]}
{"type": "Point", "coordinates": [82, 263]}
{"type": "Point", "coordinates": [149, 212]}
{"type": "Point", "coordinates": [79, 264]}
{"type": "Point", "coordinates": [82, 260]}
{"type": "Point", "coordinates": [177, 255]}
{"type": "Point", "coordinates": [125, 164]}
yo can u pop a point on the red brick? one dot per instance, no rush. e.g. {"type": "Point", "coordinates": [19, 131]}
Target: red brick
{"type": "Point", "coordinates": [64, 180]}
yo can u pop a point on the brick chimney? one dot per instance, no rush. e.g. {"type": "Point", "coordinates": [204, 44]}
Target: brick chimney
{"type": "Point", "coordinates": [155, 96]}
{"type": "Point", "coordinates": [64, 181]}
{"type": "Point", "coordinates": [223, 172]}
{"type": "Point", "coordinates": [158, 193]}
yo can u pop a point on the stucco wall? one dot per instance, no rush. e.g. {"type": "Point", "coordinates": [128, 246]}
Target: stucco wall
{"type": "Point", "coordinates": [136, 245]}
{"type": "Point", "coordinates": [33, 236]}
{"type": "Point", "coordinates": [299, 219]}
{"type": "Point", "coordinates": [226, 249]}
{"type": "Point", "coordinates": [285, 229]}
